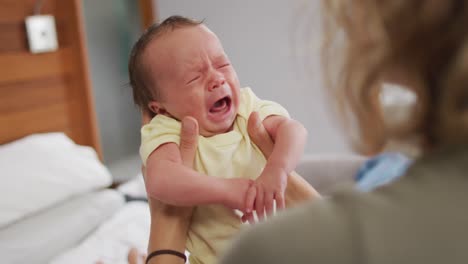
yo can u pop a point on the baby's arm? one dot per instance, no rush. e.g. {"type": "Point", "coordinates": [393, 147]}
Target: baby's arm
{"type": "Point", "coordinates": [289, 137]}
{"type": "Point", "coordinates": [172, 183]}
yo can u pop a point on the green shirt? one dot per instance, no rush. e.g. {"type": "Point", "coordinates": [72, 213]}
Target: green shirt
{"type": "Point", "coordinates": [421, 218]}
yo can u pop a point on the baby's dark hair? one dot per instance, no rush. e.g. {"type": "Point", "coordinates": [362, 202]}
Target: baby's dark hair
{"type": "Point", "coordinates": [142, 92]}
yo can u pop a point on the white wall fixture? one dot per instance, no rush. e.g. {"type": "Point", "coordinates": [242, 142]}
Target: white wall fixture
{"type": "Point", "coordinates": [42, 35]}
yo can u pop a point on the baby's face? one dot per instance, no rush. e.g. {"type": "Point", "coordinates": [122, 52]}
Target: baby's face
{"type": "Point", "coordinates": [195, 78]}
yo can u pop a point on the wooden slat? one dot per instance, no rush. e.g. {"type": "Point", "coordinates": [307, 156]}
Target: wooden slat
{"type": "Point", "coordinates": [86, 111]}
{"type": "Point", "coordinates": [31, 94]}
{"type": "Point", "coordinates": [14, 10]}
{"type": "Point", "coordinates": [146, 13]}
{"type": "Point", "coordinates": [13, 36]}
{"type": "Point", "coordinates": [34, 95]}
{"type": "Point", "coordinates": [52, 117]}
{"type": "Point", "coordinates": [80, 130]}
{"type": "Point", "coordinates": [26, 66]}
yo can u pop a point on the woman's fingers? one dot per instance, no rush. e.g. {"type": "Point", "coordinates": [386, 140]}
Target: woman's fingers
{"type": "Point", "coordinates": [188, 140]}
{"type": "Point", "coordinates": [250, 198]}
{"type": "Point", "coordinates": [248, 218]}
{"type": "Point", "coordinates": [259, 135]}
{"type": "Point", "coordinates": [269, 203]}
{"type": "Point", "coordinates": [259, 202]}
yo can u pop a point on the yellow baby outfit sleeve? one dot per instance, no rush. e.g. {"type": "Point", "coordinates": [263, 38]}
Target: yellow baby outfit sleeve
{"type": "Point", "coordinates": [159, 131]}
{"type": "Point", "coordinates": [227, 155]}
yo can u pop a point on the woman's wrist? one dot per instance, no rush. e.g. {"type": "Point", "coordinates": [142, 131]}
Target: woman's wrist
{"type": "Point", "coordinates": [169, 226]}
{"type": "Point", "coordinates": [164, 253]}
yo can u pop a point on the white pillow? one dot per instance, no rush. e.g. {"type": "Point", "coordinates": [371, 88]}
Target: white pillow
{"type": "Point", "coordinates": [42, 236]}
{"type": "Point", "coordinates": [42, 169]}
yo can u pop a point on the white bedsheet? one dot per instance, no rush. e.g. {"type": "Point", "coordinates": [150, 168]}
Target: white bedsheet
{"type": "Point", "coordinates": [110, 243]}
{"type": "Point", "coordinates": [40, 237]}
{"type": "Point", "coordinates": [134, 187]}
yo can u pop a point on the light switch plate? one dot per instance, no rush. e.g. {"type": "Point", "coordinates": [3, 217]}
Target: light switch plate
{"type": "Point", "coordinates": [42, 36]}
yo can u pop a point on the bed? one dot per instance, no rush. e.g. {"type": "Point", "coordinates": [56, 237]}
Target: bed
{"type": "Point", "coordinates": [57, 206]}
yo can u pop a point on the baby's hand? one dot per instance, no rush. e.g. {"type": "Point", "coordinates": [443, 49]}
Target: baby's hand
{"type": "Point", "coordinates": [271, 185]}
{"type": "Point", "coordinates": [241, 194]}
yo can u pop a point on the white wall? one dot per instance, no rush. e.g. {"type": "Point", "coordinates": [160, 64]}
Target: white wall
{"type": "Point", "coordinates": [265, 40]}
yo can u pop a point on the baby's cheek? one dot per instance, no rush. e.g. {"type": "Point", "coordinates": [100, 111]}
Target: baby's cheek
{"type": "Point", "coordinates": [236, 101]}
{"type": "Point", "coordinates": [193, 103]}
{"type": "Point", "coordinates": [196, 110]}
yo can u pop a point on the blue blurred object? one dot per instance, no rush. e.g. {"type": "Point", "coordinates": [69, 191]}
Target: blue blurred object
{"type": "Point", "coordinates": [380, 170]}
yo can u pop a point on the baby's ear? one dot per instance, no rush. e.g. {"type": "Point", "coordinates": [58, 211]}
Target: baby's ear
{"type": "Point", "coordinates": [156, 108]}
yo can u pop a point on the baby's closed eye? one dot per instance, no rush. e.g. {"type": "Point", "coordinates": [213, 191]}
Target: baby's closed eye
{"type": "Point", "coordinates": [193, 79]}
{"type": "Point", "coordinates": [224, 65]}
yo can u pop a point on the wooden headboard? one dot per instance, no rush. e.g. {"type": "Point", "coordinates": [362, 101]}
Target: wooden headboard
{"type": "Point", "coordinates": [50, 91]}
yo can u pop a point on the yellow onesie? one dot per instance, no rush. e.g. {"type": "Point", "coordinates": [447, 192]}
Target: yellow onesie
{"type": "Point", "coordinates": [229, 155]}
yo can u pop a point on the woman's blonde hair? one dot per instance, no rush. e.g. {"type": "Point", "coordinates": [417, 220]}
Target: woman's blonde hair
{"type": "Point", "coordinates": [424, 41]}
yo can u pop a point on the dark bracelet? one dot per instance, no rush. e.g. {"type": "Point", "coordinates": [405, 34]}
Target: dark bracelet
{"type": "Point", "coordinates": [166, 252]}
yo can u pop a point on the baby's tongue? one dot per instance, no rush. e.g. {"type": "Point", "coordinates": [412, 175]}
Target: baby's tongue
{"type": "Point", "coordinates": [218, 106]}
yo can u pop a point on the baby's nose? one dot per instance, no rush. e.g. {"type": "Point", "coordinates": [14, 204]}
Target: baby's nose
{"type": "Point", "coordinates": [217, 83]}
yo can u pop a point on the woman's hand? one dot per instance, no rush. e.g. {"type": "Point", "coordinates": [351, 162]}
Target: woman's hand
{"type": "Point", "coordinates": [169, 224]}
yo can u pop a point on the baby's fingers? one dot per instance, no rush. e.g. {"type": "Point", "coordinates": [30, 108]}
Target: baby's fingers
{"type": "Point", "coordinates": [269, 203]}
{"type": "Point", "coordinates": [259, 205]}
{"type": "Point", "coordinates": [250, 198]}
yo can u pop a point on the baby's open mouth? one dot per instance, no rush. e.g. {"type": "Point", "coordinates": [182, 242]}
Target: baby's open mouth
{"type": "Point", "coordinates": [221, 105]}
